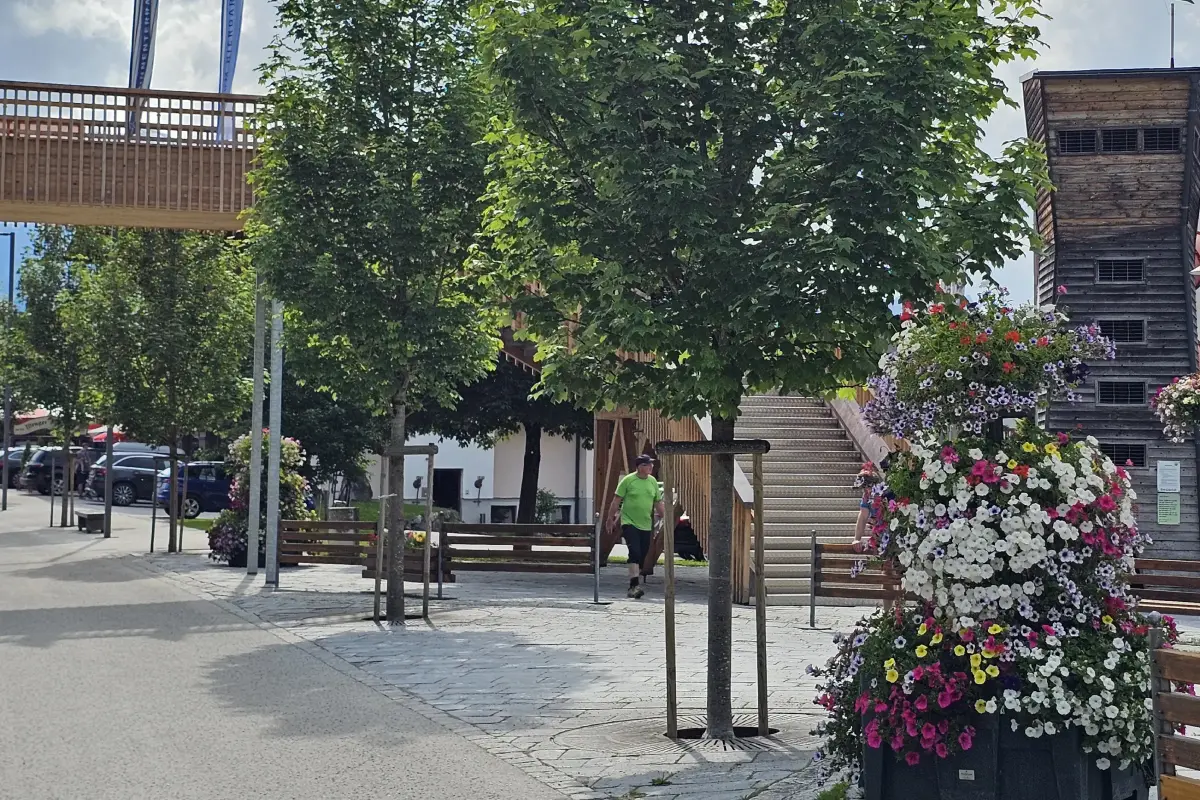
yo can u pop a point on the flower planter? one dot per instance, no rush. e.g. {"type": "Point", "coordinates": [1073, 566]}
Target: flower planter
{"type": "Point", "coordinates": [239, 560]}
{"type": "Point", "coordinates": [1003, 765]}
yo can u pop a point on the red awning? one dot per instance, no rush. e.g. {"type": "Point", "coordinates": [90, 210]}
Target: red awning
{"type": "Point", "coordinates": [99, 433]}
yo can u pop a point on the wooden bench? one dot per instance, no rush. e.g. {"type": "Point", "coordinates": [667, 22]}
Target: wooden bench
{"type": "Point", "coordinates": [834, 574]}
{"type": "Point", "coordinates": [91, 521]}
{"type": "Point", "coordinates": [1170, 710]}
{"type": "Point", "coordinates": [1167, 585]}
{"type": "Point", "coordinates": [561, 549]}
{"type": "Point", "coordinates": [334, 542]}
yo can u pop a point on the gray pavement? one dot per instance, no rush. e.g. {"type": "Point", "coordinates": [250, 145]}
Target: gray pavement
{"type": "Point", "coordinates": [120, 683]}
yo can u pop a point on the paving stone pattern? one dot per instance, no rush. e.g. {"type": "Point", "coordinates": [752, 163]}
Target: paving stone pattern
{"type": "Point", "coordinates": [573, 693]}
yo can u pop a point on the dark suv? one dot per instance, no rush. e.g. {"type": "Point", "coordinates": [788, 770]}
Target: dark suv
{"type": "Point", "coordinates": [42, 465]}
{"type": "Point", "coordinates": [133, 476]}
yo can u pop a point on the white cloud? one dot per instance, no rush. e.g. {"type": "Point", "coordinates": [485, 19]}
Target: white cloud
{"type": "Point", "coordinates": [87, 19]}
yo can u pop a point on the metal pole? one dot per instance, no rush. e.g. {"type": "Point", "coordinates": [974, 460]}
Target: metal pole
{"type": "Point", "coordinates": [760, 596]}
{"type": "Point", "coordinates": [596, 561]}
{"type": "Point", "coordinates": [428, 533]}
{"type": "Point", "coordinates": [183, 502]}
{"type": "Point", "coordinates": [380, 532]}
{"type": "Point", "coordinates": [51, 460]}
{"type": "Point", "coordinates": [1172, 34]}
{"type": "Point", "coordinates": [8, 412]}
{"type": "Point", "coordinates": [154, 504]}
{"type": "Point", "coordinates": [441, 554]}
{"type": "Point", "coordinates": [254, 523]}
{"type": "Point", "coordinates": [275, 425]}
{"type": "Point", "coordinates": [669, 603]}
{"type": "Point", "coordinates": [108, 481]}
{"type": "Point", "coordinates": [814, 576]}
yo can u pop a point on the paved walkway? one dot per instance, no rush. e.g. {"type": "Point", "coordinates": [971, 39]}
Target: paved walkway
{"type": "Point", "coordinates": [571, 692]}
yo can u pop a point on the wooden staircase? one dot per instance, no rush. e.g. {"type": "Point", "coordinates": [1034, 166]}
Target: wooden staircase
{"type": "Point", "coordinates": [808, 485]}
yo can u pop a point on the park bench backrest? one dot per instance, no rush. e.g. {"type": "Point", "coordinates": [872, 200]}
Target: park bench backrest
{"type": "Point", "coordinates": [519, 547]}
{"type": "Point", "coordinates": [1167, 585]}
{"type": "Point", "coordinates": [324, 542]}
{"type": "Point", "coordinates": [1172, 709]}
{"type": "Point", "coordinates": [838, 570]}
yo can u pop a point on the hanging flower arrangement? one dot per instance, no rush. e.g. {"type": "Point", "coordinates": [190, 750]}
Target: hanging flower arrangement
{"type": "Point", "coordinates": [965, 364]}
{"type": "Point", "coordinates": [1015, 555]}
{"type": "Point", "coordinates": [1178, 407]}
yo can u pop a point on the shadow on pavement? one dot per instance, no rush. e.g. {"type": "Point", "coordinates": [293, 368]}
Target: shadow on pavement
{"type": "Point", "coordinates": [44, 627]}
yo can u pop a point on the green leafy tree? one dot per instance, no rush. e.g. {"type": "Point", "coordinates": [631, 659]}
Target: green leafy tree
{"type": "Point", "coordinates": [367, 200]}
{"type": "Point", "coordinates": [193, 298]}
{"type": "Point", "coordinates": [727, 197]}
{"type": "Point", "coordinates": [45, 353]}
{"type": "Point", "coordinates": [499, 406]}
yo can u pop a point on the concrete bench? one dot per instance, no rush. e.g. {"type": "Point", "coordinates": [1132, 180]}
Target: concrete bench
{"type": "Point", "coordinates": [91, 521]}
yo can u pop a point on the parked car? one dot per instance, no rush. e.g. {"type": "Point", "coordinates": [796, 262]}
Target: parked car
{"type": "Point", "coordinates": [15, 454]}
{"type": "Point", "coordinates": [207, 487]}
{"type": "Point", "coordinates": [134, 471]}
{"type": "Point", "coordinates": [45, 470]}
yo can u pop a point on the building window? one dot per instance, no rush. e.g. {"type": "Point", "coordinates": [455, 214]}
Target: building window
{"type": "Point", "coordinates": [1120, 270]}
{"type": "Point", "coordinates": [1119, 140]}
{"type": "Point", "coordinates": [1130, 331]}
{"type": "Point", "coordinates": [1121, 393]}
{"type": "Point", "coordinates": [502, 515]}
{"type": "Point", "coordinates": [1125, 455]}
{"type": "Point", "coordinates": [1161, 140]}
{"type": "Point", "coordinates": [1076, 142]}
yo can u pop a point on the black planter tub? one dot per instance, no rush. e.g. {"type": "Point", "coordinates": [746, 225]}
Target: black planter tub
{"type": "Point", "coordinates": [1004, 765]}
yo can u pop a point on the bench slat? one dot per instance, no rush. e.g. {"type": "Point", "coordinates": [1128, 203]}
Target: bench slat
{"type": "Point", "coordinates": [544, 556]}
{"type": "Point", "coordinates": [1177, 665]}
{"type": "Point", "coordinates": [519, 541]}
{"type": "Point", "coordinates": [1181, 708]}
{"type": "Point", "coordinates": [518, 529]}
{"type": "Point", "coordinates": [1183, 581]}
{"type": "Point", "coordinates": [324, 525]}
{"type": "Point", "coordinates": [1166, 565]}
{"type": "Point", "coordinates": [857, 593]}
{"type": "Point", "coordinates": [1166, 594]}
{"type": "Point", "coordinates": [524, 566]}
{"type": "Point", "coordinates": [303, 538]}
{"type": "Point", "coordinates": [1175, 787]}
{"type": "Point", "coordinates": [1182, 751]}
{"type": "Point", "coordinates": [297, 560]}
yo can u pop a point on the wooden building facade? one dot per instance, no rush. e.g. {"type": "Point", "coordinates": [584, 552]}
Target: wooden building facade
{"type": "Point", "coordinates": [1119, 233]}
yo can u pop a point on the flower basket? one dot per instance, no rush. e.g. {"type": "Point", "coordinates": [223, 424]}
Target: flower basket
{"type": "Point", "coordinates": [1178, 407]}
{"type": "Point", "coordinates": [1004, 765]}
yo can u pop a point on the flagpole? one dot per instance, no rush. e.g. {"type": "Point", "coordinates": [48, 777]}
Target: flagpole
{"type": "Point", "coordinates": [1172, 34]}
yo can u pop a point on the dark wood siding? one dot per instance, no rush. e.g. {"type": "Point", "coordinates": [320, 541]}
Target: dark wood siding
{"type": "Point", "coordinates": [1125, 205]}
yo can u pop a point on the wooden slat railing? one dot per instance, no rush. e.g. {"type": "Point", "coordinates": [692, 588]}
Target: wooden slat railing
{"type": "Point", "coordinates": [1172, 709]}
{"type": "Point", "coordinates": [91, 155]}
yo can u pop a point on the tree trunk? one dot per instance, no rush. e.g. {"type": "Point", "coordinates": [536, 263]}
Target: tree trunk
{"type": "Point", "coordinates": [530, 474]}
{"type": "Point", "coordinates": [108, 479]}
{"type": "Point", "coordinates": [395, 508]}
{"type": "Point", "coordinates": [720, 586]}
{"type": "Point", "coordinates": [173, 500]}
{"type": "Point", "coordinates": [66, 470]}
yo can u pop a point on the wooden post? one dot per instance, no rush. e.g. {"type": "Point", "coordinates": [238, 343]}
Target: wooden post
{"type": "Point", "coordinates": [669, 602]}
{"type": "Point", "coordinates": [760, 597]}
{"type": "Point", "coordinates": [379, 534]}
{"type": "Point", "coordinates": [428, 531]}
{"type": "Point", "coordinates": [814, 573]}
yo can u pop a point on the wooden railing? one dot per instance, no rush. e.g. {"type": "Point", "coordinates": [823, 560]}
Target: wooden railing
{"type": "Point", "coordinates": [96, 156]}
{"type": "Point", "coordinates": [1173, 709]}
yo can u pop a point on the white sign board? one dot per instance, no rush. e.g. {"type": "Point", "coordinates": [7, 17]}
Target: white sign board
{"type": "Point", "coordinates": [1168, 476]}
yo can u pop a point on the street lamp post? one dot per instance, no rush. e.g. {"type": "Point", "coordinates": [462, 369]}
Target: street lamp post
{"type": "Point", "coordinates": [8, 412]}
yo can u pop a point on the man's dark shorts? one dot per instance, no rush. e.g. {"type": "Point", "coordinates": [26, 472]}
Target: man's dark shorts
{"type": "Point", "coordinates": [638, 542]}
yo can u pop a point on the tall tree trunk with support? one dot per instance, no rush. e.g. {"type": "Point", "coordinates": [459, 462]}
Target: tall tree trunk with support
{"type": "Point", "coordinates": [395, 506]}
{"type": "Point", "coordinates": [720, 586]}
{"type": "Point", "coordinates": [530, 474]}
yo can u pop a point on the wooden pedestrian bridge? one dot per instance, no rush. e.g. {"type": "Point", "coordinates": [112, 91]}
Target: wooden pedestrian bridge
{"type": "Point", "coordinates": [89, 155]}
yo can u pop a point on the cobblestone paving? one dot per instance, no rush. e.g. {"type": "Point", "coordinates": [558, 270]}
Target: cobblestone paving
{"type": "Point", "coordinates": [572, 692]}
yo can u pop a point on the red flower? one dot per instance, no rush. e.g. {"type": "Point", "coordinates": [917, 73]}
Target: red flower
{"type": "Point", "coordinates": [1042, 342]}
{"type": "Point", "coordinates": [1008, 366]}
{"type": "Point", "coordinates": [1013, 336]}
{"type": "Point", "coordinates": [965, 341]}
{"type": "Point", "coordinates": [981, 338]}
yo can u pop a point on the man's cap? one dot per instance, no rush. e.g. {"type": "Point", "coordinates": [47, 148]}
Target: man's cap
{"type": "Point", "coordinates": [644, 459]}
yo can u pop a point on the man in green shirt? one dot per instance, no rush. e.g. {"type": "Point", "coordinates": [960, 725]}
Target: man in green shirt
{"type": "Point", "coordinates": [639, 497]}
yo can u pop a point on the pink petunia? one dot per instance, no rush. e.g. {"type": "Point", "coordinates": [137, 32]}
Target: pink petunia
{"type": "Point", "coordinates": [921, 703]}
{"type": "Point", "coordinates": [913, 758]}
{"type": "Point", "coordinates": [964, 740]}
{"type": "Point", "coordinates": [941, 750]}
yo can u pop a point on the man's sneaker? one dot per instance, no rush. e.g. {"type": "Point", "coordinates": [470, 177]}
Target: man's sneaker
{"type": "Point", "coordinates": [634, 592]}
{"type": "Point", "coordinates": [637, 593]}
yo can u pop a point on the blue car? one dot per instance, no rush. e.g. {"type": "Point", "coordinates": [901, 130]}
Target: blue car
{"type": "Point", "coordinates": [207, 488]}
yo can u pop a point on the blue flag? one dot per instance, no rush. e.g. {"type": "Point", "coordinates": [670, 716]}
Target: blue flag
{"type": "Point", "coordinates": [231, 35]}
{"type": "Point", "coordinates": [141, 51]}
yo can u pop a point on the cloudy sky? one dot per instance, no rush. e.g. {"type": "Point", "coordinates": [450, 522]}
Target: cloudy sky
{"type": "Point", "coordinates": [87, 42]}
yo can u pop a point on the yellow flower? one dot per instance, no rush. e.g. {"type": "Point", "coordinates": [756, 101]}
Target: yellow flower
{"type": "Point", "coordinates": [1029, 447]}
{"type": "Point", "coordinates": [937, 638]}
{"type": "Point", "coordinates": [1012, 464]}
{"type": "Point", "coordinates": [921, 630]}
{"type": "Point", "coordinates": [995, 629]}
{"type": "Point", "coordinates": [959, 650]}
{"type": "Point", "coordinates": [893, 676]}
{"type": "Point", "coordinates": [980, 677]}
{"type": "Point", "coordinates": [891, 662]}
{"type": "Point", "coordinates": [981, 706]}
{"type": "Point", "coordinates": [975, 659]}
{"type": "Point", "coordinates": [993, 671]}
{"type": "Point", "coordinates": [1051, 449]}
{"type": "Point", "coordinates": [989, 652]}
{"type": "Point", "coordinates": [922, 651]}
{"type": "Point", "coordinates": [1106, 619]}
